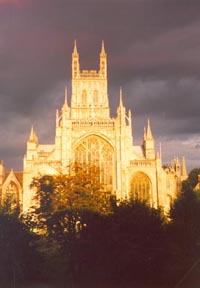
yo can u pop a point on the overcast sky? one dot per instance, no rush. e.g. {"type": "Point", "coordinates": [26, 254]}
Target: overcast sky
{"type": "Point", "coordinates": [153, 49]}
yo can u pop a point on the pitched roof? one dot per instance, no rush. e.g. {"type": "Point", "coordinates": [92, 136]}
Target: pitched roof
{"type": "Point", "coordinates": [18, 175]}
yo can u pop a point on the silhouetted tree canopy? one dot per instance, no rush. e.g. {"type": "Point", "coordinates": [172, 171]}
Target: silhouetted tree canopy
{"type": "Point", "coordinates": [18, 257]}
{"type": "Point", "coordinates": [184, 228]}
{"type": "Point", "coordinates": [127, 246]}
{"type": "Point", "coordinates": [87, 239]}
{"type": "Point", "coordinates": [192, 179]}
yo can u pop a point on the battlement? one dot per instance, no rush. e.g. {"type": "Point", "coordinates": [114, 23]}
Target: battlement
{"type": "Point", "coordinates": [141, 163]}
{"type": "Point", "coordinates": [77, 124]}
{"type": "Point", "coordinates": [89, 73]}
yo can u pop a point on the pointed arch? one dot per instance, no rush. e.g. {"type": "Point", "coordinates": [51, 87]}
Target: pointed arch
{"type": "Point", "coordinates": [95, 98]}
{"type": "Point", "coordinates": [141, 187]}
{"type": "Point", "coordinates": [12, 192]}
{"type": "Point", "coordinates": [96, 151]}
{"type": "Point", "coordinates": [84, 97]}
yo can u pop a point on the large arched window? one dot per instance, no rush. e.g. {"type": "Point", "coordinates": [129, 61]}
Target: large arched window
{"type": "Point", "coordinates": [11, 196]}
{"type": "Point", "coordinates": [140, 187]}
{"type": "Point", "coordinates": [97, 152]}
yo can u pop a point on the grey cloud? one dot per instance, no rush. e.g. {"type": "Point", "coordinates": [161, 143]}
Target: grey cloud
{"type": "Point", "coordinates": [153, 52]}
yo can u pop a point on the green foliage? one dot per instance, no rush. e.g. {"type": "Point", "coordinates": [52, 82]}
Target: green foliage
{"type": "Point", "coordinates": [17, 255]}
{"type": "Point", "coordinates": [184, 229]}
{"type": "Point", "coordinates": [8, 206]}
{"type": "Point", "coordinates": [192, 179]}
{"type": "Point", "coordinates": [185, 215]}
{"type": "Point", "coordinates": [89, 238]}
{"type": "Point", "coordinates": [138, 233]}
{"type": "Point", "coordinates": [125, 246]}
{"type": "Point", "coordinates": [60, 199]}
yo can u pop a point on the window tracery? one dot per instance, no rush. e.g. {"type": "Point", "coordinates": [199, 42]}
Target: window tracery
{"type": "Point", "coordinates": [11, 195]}
{"type": "Point", "coordinates": [140, 187]}
{"type": "Point", "coordinates": [95, 151]}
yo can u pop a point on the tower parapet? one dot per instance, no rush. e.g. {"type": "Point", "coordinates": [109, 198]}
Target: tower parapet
{"type": "Point", "coordinates": [89, 89]}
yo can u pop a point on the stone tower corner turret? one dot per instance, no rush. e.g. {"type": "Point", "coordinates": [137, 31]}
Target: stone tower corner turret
{"type": "Point", "coordinates": [103, 62]}
{"type": "Point", "coordinates": [121, 110]}
{"type": "Point", "coordinates": [148, 142]}
{"type": "Point", "coordinates": [32, 145]}
{"type": "Point", "coordinates": [75, 62]}
{"type": "Point", "coordinates": [184, 174]}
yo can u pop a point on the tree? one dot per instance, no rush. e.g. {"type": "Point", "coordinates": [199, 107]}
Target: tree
{"type": "Point", "coordinates": [89, 239]}
{"type": "Point", "coordinates": [139, 242]}
{"type": "Point", "coordinates": [60, 198]}
{"type": "Point", "coordinates": [8, 205]}
{"type": "Point", "coordinates": [185, 215]}
{"type": "Point", "coordinates": [62, 203]}
{"type": "Point", "coordinates": [18, 257]}
{"type": "Point", "coordinates": [125, 247]}
{"type": "Point", "coordinates": [192, 179]}
{"type": "Point", "coordinates": [184, 229]}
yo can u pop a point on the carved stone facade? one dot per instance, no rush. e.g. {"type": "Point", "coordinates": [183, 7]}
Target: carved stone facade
{"type": "Point", "coordinates": [86, 133]}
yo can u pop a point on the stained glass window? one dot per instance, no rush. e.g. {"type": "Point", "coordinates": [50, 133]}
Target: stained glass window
{"type": "Point", "coordinates": [95, 151]}
{"type": "Point", "coordinates": [140, 187]}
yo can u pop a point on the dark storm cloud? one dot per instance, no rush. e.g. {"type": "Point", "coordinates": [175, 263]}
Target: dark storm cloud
{"type": "Point", "coordinates": [153, 52]}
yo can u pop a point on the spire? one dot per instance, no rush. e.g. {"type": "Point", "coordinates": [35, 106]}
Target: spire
{"type": "Point", "coordinates": [183, 168]}
{"type": "Point", "coordinates": [121, 110]}
{"type": "Point", "coordinates": [148, 143]}
{"type": "Point", "coordinates": [177, 165]}
{"type": "Point", "coordinates": [120, 97]}
{"type": "Point", "coordinates": [75, 52]}
{"type": "Point", "coordinates": [33, 137]}
{"type": "Point", "coordinates": [75, 62]}
{"type": "Point", "coordinates": [65, 102]}
{"type": "Point", "coordinates": [177, 161]}
{"type": "Point", "coordinates": [149, 133]}
{"type": "Point", "coordinates": [57, 118]}
{"type": "Point", "coordinates": [103, 49]}
{"type": "Point", "coordinates": [145, 134]}
{"type": "Point", "coordinates": [103, 62]}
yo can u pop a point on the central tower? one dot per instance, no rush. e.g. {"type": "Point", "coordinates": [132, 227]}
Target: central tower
{"type": "Point", "coordinates": [89, 89]}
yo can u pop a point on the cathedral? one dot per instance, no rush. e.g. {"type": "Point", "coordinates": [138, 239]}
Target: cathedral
{"type": "Point", "coordinates": [86, 133]}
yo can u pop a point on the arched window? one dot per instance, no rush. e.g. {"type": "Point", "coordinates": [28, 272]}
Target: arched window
{"type": "Point", "coordinates": [84, 97]}
{"type": "Point", "coordinates": [140, 187]}
{"type": "Point", "coordinates": [96, 100]}
{"type": "Point", "coordinates": [97, 152]}
{"type": "Point", "coordinates": [10, 197]}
